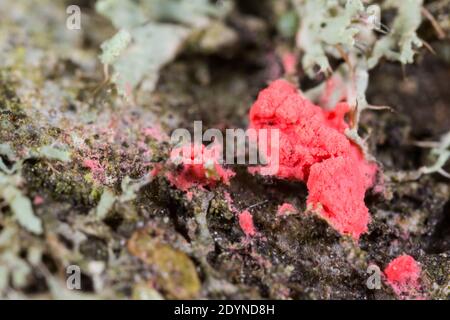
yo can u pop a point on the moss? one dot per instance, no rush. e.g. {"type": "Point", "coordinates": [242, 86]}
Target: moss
{"type": "Point", "coordinates": [17, 128]}
{"type": "Point", "coordinates": [175, 272]}
{"type": "Point", "coordinates": [65, 184]}
{"type": "Point", "coordinates": [437, 277]}
{"type": "Point", "coordinates": [8, 99]}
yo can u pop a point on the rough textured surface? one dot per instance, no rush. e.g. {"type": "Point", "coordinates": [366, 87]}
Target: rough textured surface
{"type": "Point", "coordinates": [403, 275]}
{"type": "Point", "coordinates": [313, 148]}
{"type": "Point", "coordinates": [199, 167]}
{"type": "Point", "coordinates": [286, 209]}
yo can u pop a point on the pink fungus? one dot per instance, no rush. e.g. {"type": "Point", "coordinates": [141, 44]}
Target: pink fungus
{"type": "Point", "coordinates": [98, 172]}
{"type": "Point", "coordinates": [246, 223]}
{"type": "Point", "coordinates": [289, 63]}
{"type": "Point", "coordinates": [403, 275]}
{"type": "Point", "coordinates": [156, 133]}
{"type": "Point", "coordinates": [313, 148]}
{"type": "Point", "coordinates": [200, 167]}
{"type": "Point", "coordinates": [230, 202]}
{"type": "Point", "coordinates": [286, 209]}
{"type": "Point", "coordinates": [156, 170]}
{"type": "Point", "coordinates": [335, 91]}
{"type": "Point", "coordinates": [38, 200]}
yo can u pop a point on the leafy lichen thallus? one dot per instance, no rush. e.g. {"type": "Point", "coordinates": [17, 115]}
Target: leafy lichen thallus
{"type": "Point", "coordinates": [111, 51]}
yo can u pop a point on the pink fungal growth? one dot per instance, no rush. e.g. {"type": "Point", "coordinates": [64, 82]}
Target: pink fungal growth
{"type": "Point", "coordinates": [335, 91]}
{"type": "Point", "coordinates": [38, 200]}
{"type": "Point", "coordinates": [157, 168]}
{"type": "Point", "coordinates": [289, 63]}
{"type": "Point", "coordinates": [403, 275]}
{"type": "Point", "coordinates": [200, 168]}
{"type": "Point", "coordinates": [246, 223]}
{"type": "Point", "coordinates": [313, 148]}
{"type": "Point", "coordinates": [337, 187]}
{"type": "Point", "coordinates": [98, 172]}
{"type": "Point", "coordinates": [286, 209]}
{"type": "Point", "coordinates": [128, 90]}
{"type": "Point", "coordinates": [230, 202]}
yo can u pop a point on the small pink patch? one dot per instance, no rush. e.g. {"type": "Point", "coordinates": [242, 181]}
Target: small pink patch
{"type": "Point", "coordinates": [96, 168]}
{"type": "Point", "coordinates": [189, 195]}
{"type": "Point", "coordinates": [290, 63]}
{"type": "Point", "coordinates": [128, 89]}
{"type": "Point", "coordinates": [335, 92]}
{"type": "Point", "coordinates": [38, 200]}
{"type": "Point", "coordinates": [156, 133]}
{"type": "Point", "coordinates": [286, 209]}
{"type": "Point", "coordinates": [246, 223]}
{"type": "Point", "coordinates": [230, 202]}
{"type": "Point", "coordinates": [403, 275]}
{"type": "Point", "coordinates": [200, 168]}
{"type": "Point", "coordinates": [380, 186]}
{"type": "Point", "coordinates": [156, 170]}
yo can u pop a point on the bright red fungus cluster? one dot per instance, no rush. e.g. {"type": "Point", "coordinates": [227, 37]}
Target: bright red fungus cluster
{"type": "Point", "coordinates": [246, 223]}
{"type": "Point", "coordinates": [403, 274]}
{"type": "Point", "coordinates": [206, 171]}
{"type": "Point", "coordinates": [313, 148]}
